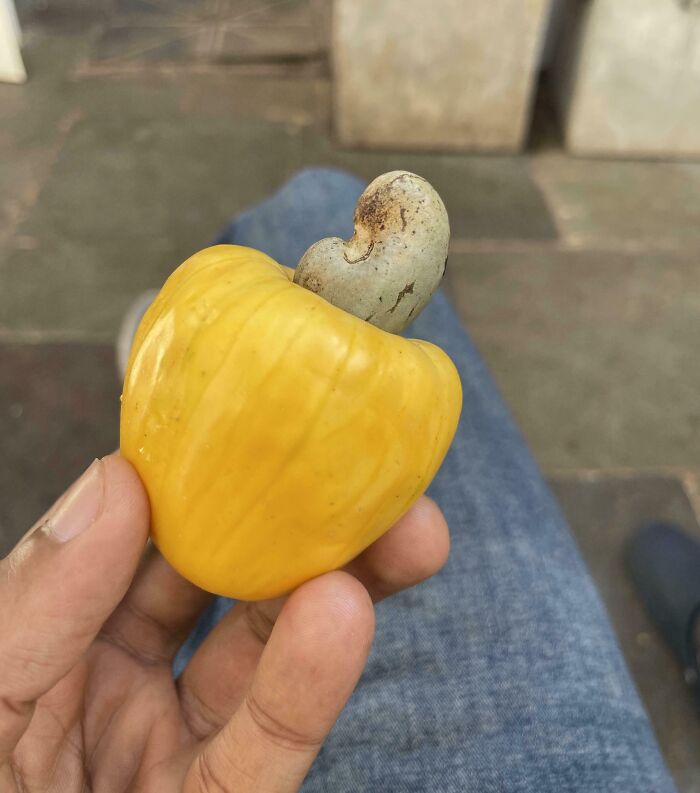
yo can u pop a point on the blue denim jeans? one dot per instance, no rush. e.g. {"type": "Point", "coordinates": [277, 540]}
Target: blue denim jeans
{"type": "Point", "coordinates": [501, 673]}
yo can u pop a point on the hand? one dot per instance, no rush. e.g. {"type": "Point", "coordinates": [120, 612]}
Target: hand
{"type": "Point", "coordinates": [89, 628]}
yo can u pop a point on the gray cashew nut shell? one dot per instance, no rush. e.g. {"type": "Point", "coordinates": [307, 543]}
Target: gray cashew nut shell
{"type": "Point", "coordinates": [389, 269]}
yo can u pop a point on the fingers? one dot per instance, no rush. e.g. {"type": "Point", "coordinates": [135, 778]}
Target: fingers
{"type": "Point", "coordinates": [162, 607]}
{"type": "Point", "coordinates": [414, 549]}
{"type": "Point", "coordinates": [158, 612]}
{"type": "Point", "coordinates": [307, 671]}
{"type": "Point", "coordinates": [61, 582]}
{"type": "Point", "coordinates": [214, 682]}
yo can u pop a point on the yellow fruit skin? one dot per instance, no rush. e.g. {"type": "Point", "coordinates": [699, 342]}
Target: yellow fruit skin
{"type": "Point", "coordinates": [277, 435]}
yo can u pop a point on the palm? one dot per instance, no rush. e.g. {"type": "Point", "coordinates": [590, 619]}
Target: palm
{"type": "Point", "coordinates": [114, 723]}
{"type": "Point", "coordinates": [87, 697]}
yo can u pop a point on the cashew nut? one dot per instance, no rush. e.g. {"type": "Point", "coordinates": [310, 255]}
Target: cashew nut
{"type": "Point", "coordinates": [389, 269]}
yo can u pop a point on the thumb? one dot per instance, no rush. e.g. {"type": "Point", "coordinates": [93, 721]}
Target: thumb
{"type": "Point", "coordinates": [61, 582]}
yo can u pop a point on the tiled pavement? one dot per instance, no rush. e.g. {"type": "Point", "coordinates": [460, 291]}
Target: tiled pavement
{"type": "Point", "coordinates": [579, 280]}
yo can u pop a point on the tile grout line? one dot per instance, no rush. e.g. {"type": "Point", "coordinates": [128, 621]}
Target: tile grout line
{"type": "Point", "coordinates": [592, 474]}
{"type": "Point", "coordinates": [489, 245]}
{"type": "Point", "coordinates": [311, 67]}
{"type": "Point", "coordinates": [37, 337]}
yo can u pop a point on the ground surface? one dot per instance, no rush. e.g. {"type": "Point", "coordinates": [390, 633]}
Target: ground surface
{"type": "Point", "coordinates": [142, 129]}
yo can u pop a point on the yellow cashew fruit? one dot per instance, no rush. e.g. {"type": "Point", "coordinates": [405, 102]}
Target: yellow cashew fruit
{"type": "Point", "coordinates": [276, 434]}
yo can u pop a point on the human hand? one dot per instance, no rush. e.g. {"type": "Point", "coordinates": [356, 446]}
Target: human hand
{"type": "Point", "coordinates": [89, 626]}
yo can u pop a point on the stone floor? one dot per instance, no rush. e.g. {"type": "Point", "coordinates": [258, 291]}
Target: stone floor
{"type": "Point", "coordinates": [141, 131]}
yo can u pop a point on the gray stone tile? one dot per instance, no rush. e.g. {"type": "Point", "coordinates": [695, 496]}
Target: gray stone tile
{"type": "Point", "coordinates": [59, 408]}
{"type": "Point", "coordinates": [109, 183]}
{"type": "Point", "coordinates": [22, 178]}
{"type": "Point", "coordinates": [62, 16]}
{"type": "Point", "coordinates": [34, 119]}
{"type": "Point", "coordinates": [601, 203]}
{"type": "Point", "coordinates": [129, 198]}
{"type": "Point", "coordinates": [124, 45]}
{"type": "Point", "coordinates": [234, 31]}
{"type": "Point", "coordinates": [603, 512]}
{"type": "Point", "coordinates": [490, 198]}
{"type": "Point", "coordinates": [595, 353]}
{"type": "Point", "coordinates": [298, 102]}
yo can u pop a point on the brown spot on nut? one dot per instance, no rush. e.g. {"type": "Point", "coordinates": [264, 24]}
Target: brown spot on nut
{"type": "Point", "coordinates": [371, 211]}
{"type": "Point", "coordinates": [373, 207]}
{"type": "Point", "coordinates": [313, 284]}
{"type": "Point", "coordinates": [407, 290]}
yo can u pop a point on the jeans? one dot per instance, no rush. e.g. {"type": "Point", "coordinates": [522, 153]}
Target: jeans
{"type": "Point", "coordinates": [502, 672]}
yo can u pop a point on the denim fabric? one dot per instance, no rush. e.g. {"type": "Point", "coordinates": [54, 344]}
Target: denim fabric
{"type": "Point", "coordinates": [501, 673]}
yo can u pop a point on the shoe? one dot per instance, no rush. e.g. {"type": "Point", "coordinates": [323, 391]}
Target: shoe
{"type": "Point", "coordinates": [664, 564]}
{"type": "Point", "coordinates": [128, 328]}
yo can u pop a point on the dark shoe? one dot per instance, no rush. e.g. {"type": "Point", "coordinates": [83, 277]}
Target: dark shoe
{"type": "Point", "coordinates": [664, 563]}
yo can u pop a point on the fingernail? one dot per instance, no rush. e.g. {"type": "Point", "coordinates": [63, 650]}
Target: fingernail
{"type": "Point", "coordinates": [79, 507]}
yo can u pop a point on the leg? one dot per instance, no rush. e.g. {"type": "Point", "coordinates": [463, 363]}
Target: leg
{"type": "Point", "coordinates": [501, 673]}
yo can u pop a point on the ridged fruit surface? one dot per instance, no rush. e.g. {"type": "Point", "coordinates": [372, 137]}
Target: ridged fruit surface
{"type": "Point", "coordinates": [277, 435]}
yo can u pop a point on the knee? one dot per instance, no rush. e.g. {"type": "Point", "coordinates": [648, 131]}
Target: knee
{"type": "Point", "coordinates": [324, 179]}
